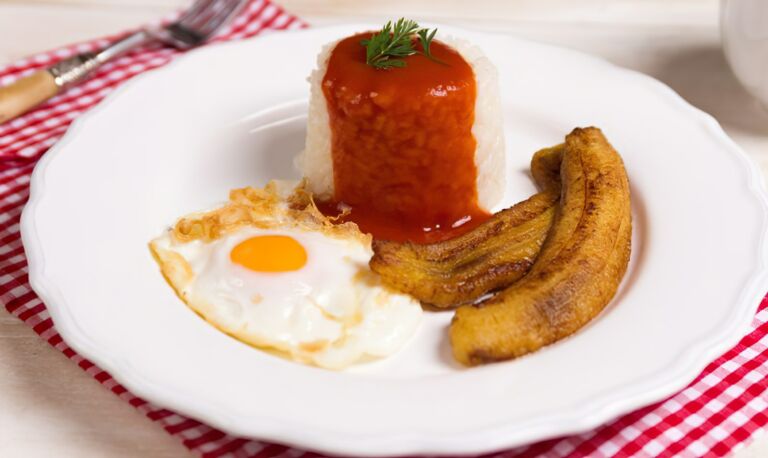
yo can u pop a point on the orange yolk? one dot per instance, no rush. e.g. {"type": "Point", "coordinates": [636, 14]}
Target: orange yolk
{"type": "Point", "coordinates": [269, 253]}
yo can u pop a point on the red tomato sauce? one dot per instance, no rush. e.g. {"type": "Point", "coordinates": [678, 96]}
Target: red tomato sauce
{"type": "Point", "coordinates": [402, 144]}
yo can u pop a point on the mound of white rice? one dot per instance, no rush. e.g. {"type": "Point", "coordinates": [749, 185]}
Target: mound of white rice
{"type": "Point", "coordinates": [315, 162]}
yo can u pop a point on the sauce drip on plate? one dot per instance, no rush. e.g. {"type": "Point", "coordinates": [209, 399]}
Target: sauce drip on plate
{"type": "Point", "coordinates": [402, 144]}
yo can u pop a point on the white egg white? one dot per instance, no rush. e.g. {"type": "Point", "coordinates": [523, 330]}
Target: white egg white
{"type": "Point", "coordinates": [332, 312]}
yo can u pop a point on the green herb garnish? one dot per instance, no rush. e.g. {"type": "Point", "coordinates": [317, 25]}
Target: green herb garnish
{"type": "Point", "coordinates": [386, 48]}
{"type": "Point", "coordinates": [425, 37]}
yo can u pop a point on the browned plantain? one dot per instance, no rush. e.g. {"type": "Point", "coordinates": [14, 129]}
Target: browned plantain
{"type": "Point", "coordinates": [545, 167]}
{"type": "Point", "coordinates": [577, 272]}
{"type": "Point", "coordinates": [493, 255]}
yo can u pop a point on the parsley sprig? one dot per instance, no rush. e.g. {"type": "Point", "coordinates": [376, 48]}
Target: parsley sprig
{"type": "Point", "coordinates": [387, 47]}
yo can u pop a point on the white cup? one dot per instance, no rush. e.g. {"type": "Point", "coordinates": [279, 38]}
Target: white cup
{"type": "Point", "coordinates": [744, 28]}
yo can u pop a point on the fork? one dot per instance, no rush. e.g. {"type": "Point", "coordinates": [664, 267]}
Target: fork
{"type": "Point", "coordinates": [195, 26]}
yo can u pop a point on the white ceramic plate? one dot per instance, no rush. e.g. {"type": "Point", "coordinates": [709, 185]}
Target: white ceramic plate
{"type": "Point", "coordinates": [177, 139]}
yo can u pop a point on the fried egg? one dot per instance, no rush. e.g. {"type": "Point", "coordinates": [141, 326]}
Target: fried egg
{"type": "Point", "coordinates": [275, 273]}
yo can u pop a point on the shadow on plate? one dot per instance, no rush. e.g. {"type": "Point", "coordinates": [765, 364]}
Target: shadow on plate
{"type": "Point", "coordinates": [264, 144]}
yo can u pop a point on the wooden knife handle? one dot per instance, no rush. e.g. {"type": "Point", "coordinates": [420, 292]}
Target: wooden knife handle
{"type": "Point", "coordinates": [22, 95]}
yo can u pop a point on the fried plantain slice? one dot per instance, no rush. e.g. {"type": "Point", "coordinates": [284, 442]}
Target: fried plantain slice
{"type": "Point", "coordinates": [491, 256]}
{"type": "Point", "coordinates": [577, 272]}
{"type": "Point", "coordinates": [545, 167]}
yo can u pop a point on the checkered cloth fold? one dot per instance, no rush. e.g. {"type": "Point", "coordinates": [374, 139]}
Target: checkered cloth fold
{"type": "Point", "coordinates": [714, 415]}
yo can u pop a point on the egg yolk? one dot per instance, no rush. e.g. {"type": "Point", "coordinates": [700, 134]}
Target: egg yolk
{"type": "Point", "coordinates": [269, 253]}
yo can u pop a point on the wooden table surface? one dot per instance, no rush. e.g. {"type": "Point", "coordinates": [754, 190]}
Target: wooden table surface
{"type": "Point", "coordinates": [48, 405]}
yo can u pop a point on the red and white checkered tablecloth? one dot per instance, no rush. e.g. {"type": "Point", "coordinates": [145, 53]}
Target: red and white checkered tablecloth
{"type": "Point", "coordinates": [717, 413]}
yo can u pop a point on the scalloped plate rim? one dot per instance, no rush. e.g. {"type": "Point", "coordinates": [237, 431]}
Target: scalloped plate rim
{"type": "Point", "coordinates": [579, 419]}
